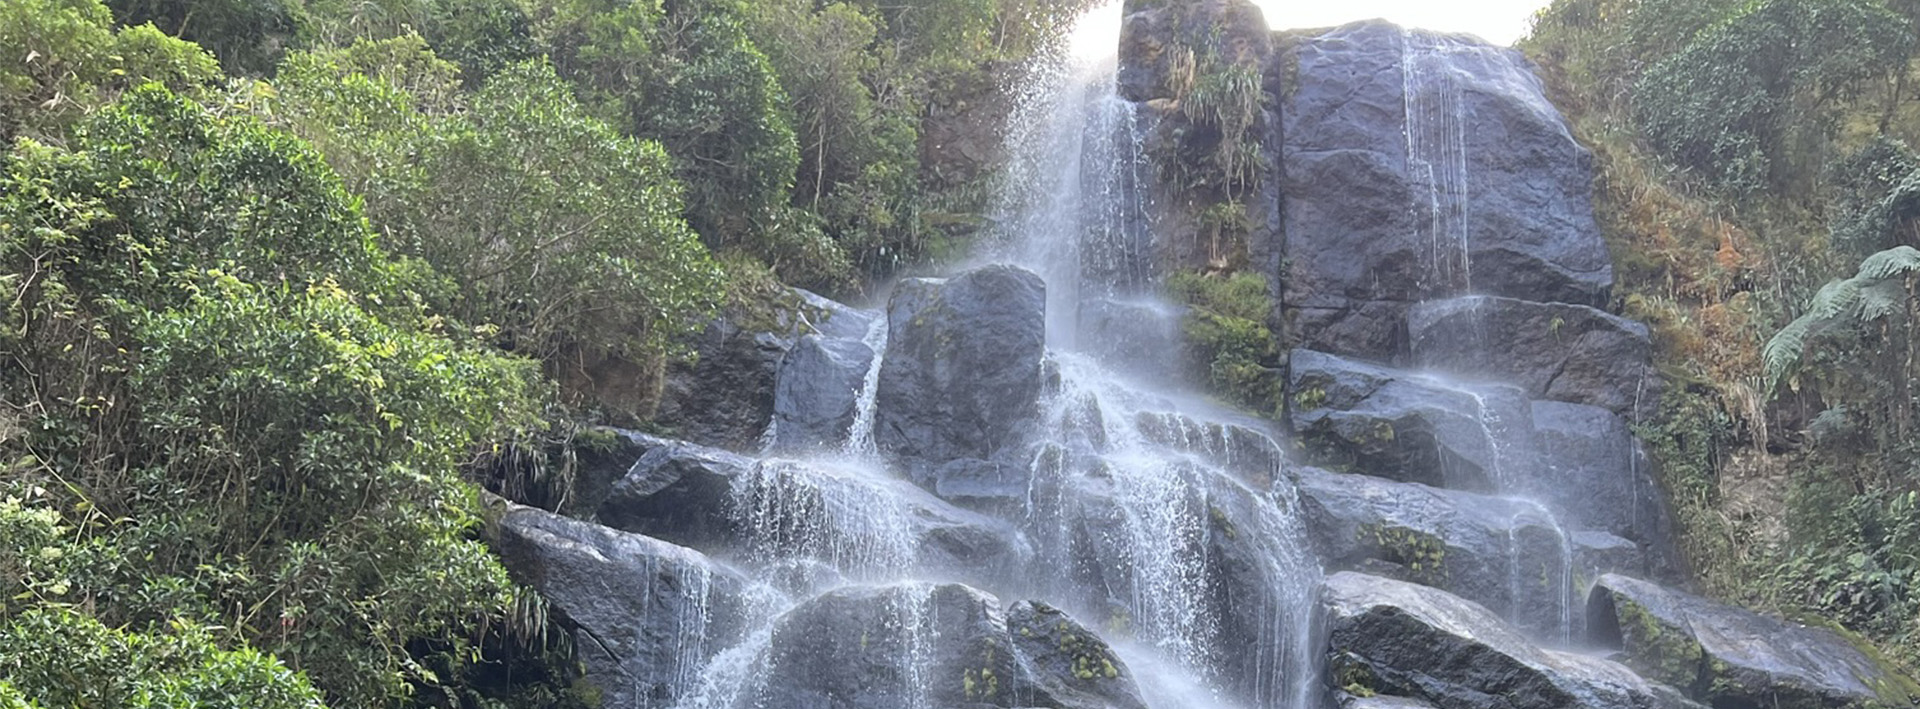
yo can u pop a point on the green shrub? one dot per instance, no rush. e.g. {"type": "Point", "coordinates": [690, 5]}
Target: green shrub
{"type": "Point", "coordinates": [59, 657]}
{"type": "Point", "coordinates": [1228, 336]}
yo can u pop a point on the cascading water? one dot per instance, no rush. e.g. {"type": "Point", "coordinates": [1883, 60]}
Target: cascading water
{"type": "Point", "coordinates": [860, 443]}
{"type": "Point", "coordinates": [1437, 160]}
{"type": "Point", "coordinates": [1130, 493]}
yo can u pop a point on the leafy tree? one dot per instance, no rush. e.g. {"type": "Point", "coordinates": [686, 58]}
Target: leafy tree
{"type": "Point", "coordinates": [1870, 317]}
{"type": "Point", "coordinates": [65, 59]}
{"type": "Point", "coordinates": [228, 381]}
{"type": "Point", "coordinates": [61, 658]}
{"type": "Point", "coordinates": [1876, 198]}
{"type": "Point", "coordinates": [247, 35]}
{"type": "Point", "coordinates": [1736, 102]}
{"type": "Point", "coordinates": [552, 227]}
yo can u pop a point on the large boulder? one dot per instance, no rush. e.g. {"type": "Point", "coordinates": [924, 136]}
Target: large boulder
{"type": "Point", "coordinates": [1728, 657]}
{"type": "Point", "coordinates": [1409, 427]}
{"type": "Point", "coordinates": [818, 393]}
{"type": "Point", "coordinates": [1599, 477]}
{"type": "Point", "coordinates": [928, 645]}
{"type": "Point", "coordinates": [1065, 665]}
{"type": "Point", "coordinates": [1556, 351]}
{"type": "Point", "coordinates": [962, 371]}
{"type": "Point", "coordinates": [1400, 639]}
{"type": "Point", "coordinates": [646, 615]}
{"type": "Point", "coordinates": [1507, 555]}
{"type": "Point", "coordinates": [1418, 165]}
{"type": "Point", "coordinates": [772, 512]}
{"type": "Point", "coordinates": [723, 396]}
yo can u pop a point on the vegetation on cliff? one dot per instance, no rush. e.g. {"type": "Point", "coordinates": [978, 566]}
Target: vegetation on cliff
{"type": "Point", "coordinates": [276, 297]}
{"type": "Point", "coordinates": [1754, 169]}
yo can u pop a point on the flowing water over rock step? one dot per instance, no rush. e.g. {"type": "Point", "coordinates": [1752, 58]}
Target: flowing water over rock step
{"type": "Point", "coordinates": [1581, 462]}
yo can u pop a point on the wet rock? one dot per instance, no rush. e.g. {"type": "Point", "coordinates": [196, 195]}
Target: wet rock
{"type": "Point", "coordinates": [938, 645]}
{"type": "Point", "coordinates": [1138, 337]}
{"type": "Point", "coordinates": [602, 455]}
{"type": "Point", "coordinates": [1504, 554]}
{"type": "Point", "coordinates": [1728, 657]}
{"type": "Point", "coordinates": [1156, 39]}
{"type": "Point", "coordinates": [1065, 665]}
{"type": "Point", "coordinates": [1349, 701]}
{"type": "Point", "coordinates": [1381, 211]}
{"type": "Point", "coordinates": [1244, 449]}
{"type": "Point", "coordinates": [963, 369]}
{"type": "Point", "coordinates": [1406, 640]}
{"type": "Point", "coordinates": [818, 391]}
{"type": "Point", "coordinates": [1408, 427]}
{"type": "Point", "coordinates": [680, 492]}
{"type": "Point", "coordinates": [647, 615]}
{"type": "Point", "coordinates": [1599, 477]}
{"type": "Point", "coordinates": [772, 511]}
{"type": "Point", "coordinates": [832, 319]}
{"type": "Point", "coordinates": [888, 647]}
{"type": "Point", "coordinates": [1555, 351]}
{"type": "Point", "coordinates": [723, 396]}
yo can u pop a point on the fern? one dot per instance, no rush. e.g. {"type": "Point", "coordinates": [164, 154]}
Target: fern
{"type": "Point", "coordinates": [1878, 291]}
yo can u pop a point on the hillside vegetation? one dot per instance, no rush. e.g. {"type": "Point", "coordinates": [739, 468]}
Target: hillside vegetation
{"type": "Point", "coordinates": [284, 277]}
{"type": "Point", "coordinates": [1758, 186]}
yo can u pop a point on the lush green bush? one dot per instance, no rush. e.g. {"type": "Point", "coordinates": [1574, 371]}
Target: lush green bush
{"type": "Point", "coordinates": [1226, 328]}
{"type": "Point", "coordinates": [235, 391]}
{"type": "Point", "coordinates": [552, 228]}
{"type": "Point", "coordinates": [64, 59]}
{"type": "Point", "coordinates": [59, 657]}
{"type": "Point", "coordinates": [1741, 101]}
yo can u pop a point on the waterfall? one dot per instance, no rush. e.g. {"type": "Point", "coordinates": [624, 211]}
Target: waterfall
{"type": "Point", "coordinates": [1136, 487]}
{"type": "Point", "coordinates": [1436, 129]}
{"type": "Point", "coordinates": [860, 443]}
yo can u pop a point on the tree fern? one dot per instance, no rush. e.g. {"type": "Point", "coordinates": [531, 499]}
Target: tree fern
{"type": "Point", "coordinates": [1878, 291]}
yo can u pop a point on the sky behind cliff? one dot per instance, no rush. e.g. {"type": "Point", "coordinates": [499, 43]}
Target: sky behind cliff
{"type": "Point", "coordinates": [1500, 21]}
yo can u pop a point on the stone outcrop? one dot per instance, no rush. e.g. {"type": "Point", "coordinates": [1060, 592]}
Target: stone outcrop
{"type": "Point", "coordinates": [963, 371]}
{"type": "Point", "coordinates": [942, 646]}
{"type": "Point", "coordinates": [1555, 351]}
{"type": "Point", "coordinates": [1504, 554]}
{"type": "Point", "coordinates": [1417, 165]}
{"type": "Point", "coordinates": [646, 615]}
{"type": "Point", "coordinates": [1407, 427]}
{"type": "Point", "coordinates": [774, 510]}
{"type": "Point", "coordinates": [818, 391]}
{"type": "Point", "coordinates": [1728, 657]}
{"type": "Point", "coordinates": [1399, 639]}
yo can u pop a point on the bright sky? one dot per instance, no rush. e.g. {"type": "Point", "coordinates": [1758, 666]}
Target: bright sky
{"type": "Point", "coordinates": [1498, 21]}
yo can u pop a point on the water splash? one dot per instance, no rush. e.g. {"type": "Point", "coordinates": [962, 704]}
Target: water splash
{"type": "Point", "coordinates": [1149, 505]}
{"type": "Point", "coordinates": [853, 518]}
{"type": "Point", "coordinates": [860, 443]}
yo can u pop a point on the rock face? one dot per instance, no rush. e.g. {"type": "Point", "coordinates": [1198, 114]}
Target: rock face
{"type": "Point", "coordinates": [1503, 554]}
{"type": "Point", "coordinates": [648, 614]}
{"type": "Point", "coordinates": [1599, 477]}
{"type": "Point", "coordinates": [724, 396]}
{"type": "Point", "coordinates": [944, 646]}
{"type": "Point", "coordinates": [1400, 639]}
{"type": "Point", "coordinates": [1409, 427]}
{"type": "Point", "coordinates": [1417, 165]}
{"type": "Point", "coordinates": [1729, 657]}
{"type": "Point", "coordinates": [818, 390]}
{"type": "Point", "coordinates": [962, 371]}
{"type": "Point", "coordinates": [778, 510]}
{"type": "Point", "coordinates": [1554, 351]}
{"type": "Point", "coordinates": [1065, 665]}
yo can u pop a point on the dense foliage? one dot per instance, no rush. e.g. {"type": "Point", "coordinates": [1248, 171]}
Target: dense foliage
{"type": "Point", "coordinates": [1760, 200]}
{"type": "Point", "coordinates": [276, 305]}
